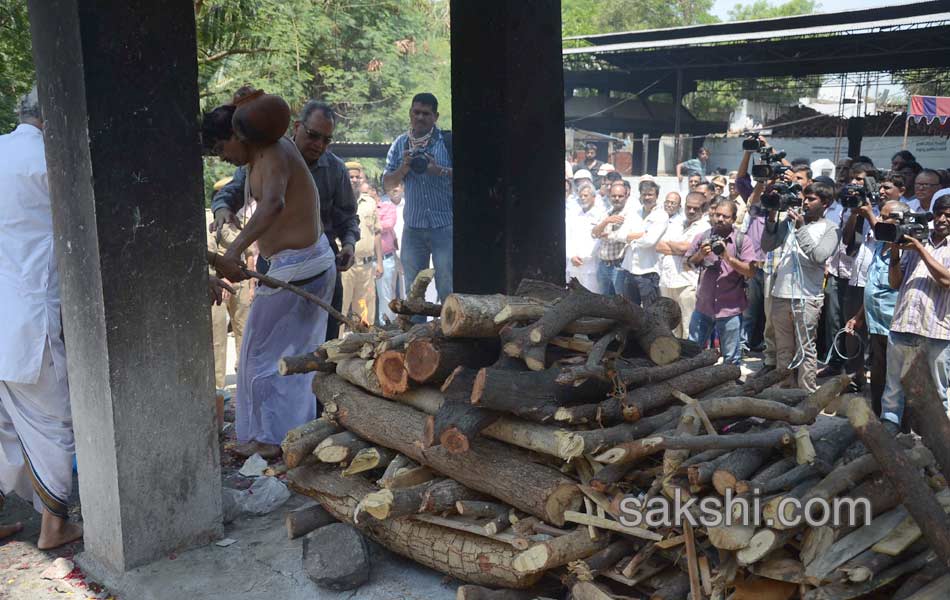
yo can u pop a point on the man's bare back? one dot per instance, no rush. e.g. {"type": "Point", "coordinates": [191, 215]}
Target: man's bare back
{"type": "Point", "coordinates": [297, 224]}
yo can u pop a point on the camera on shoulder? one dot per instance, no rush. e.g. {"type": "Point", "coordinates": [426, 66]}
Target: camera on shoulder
{"type": "Point", "coordinates": [854, 195]}
{"type": "Point", "coordinates": [909, 225]}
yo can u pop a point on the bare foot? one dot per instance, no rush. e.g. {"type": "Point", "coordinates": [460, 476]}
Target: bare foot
{"type": "Point", "coordinates": [268, 451]}
{"type": "Point", "coordinates": [244, 450]}
{"type": "Point", "coordinates": [10, 530]}
{"type": "Point", "coordinates": [57, 531]}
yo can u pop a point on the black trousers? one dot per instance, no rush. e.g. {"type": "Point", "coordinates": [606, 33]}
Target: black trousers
{"type": "Point", "coordinates": [854, 299]}
{"type": "Point", "coordinates": [333, 326]}
{"type": "Point", "coordinates": [878, 349]}
{"type": "Point", "coordinates": [833, 318]}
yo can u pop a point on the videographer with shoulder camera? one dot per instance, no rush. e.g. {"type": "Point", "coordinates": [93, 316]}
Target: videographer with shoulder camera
{"type": "Point", "coordinates": [421, 159]}
{"type": "Point", "coordinates": [807, 240]}
{"type": "Point", "coordinates": [724, 257]}
{"type": "Point", "coordinates": [920, 269]}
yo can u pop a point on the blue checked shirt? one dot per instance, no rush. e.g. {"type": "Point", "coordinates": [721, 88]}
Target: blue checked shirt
{"type": "Point", "coordinates": [428, 197]}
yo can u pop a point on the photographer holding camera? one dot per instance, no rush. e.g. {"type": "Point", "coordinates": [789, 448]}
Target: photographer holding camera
{"type": "Point", "coordinates": [724, 256]}
{"type": "Point", "coordinates": [920, 269]}
{"type": "Point", "coordinates": [422, 160]}
{"type": "Point", "coordinates": [807, 240]}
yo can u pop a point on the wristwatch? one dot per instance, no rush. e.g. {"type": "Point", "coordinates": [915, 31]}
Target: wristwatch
{"type": "Point", "coordinates": [443, 172]}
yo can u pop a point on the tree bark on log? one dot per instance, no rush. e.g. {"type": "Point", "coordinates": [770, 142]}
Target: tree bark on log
{"type": "Point", "coordinates": [558, 551]}
{"type": "Point", "coordinates": [533, 395]}
{"type": "Point", "coordinates": [368, 459]}
{"type": "Point", "coordinates": [736, 466]}
{"type": "Point", "coordinates": [881, 496]}
{"type": "Point", "coordinates": [300, 442]}
{"type": "Point", "coordinates": [641, 401]}
{"type": "Point", "coordinates": [915, 494]}
{"type": "Point", "coordinates": [530, 342]}
{"type": "Point", "coordinates": [392, 503]}
{"type": "Point", "coordinates": [928, 416]}
{"type": "Point", "coordinates": [415, 306]}
{"type": "Point", "coordinates": [848, 591]}
{"type": "Point", "coordinates": [305, 363]}
{"type": "Point", "coordinates": [572, 444]}
{"type": "Point", "coordinates": [472, 315]}
{"type": "Point", "coordinates": [499, 514]}
{"type": "Point", "coordinates": [637, 449]}
{"type": "Point", "coordinates": [655, 337]}
{"type": "Point", "coordinates": [468, 557]}
{"type": "Point", "coordinates": [442, 496]}
{"type": "Point", "coordinates": [489, 467]}
{"type": "Point", "coordinates": [305, 519]}
{"type": "Point", "coordinates": [587, 569]}
{"type": "Point", "coordinates": [432, 360]}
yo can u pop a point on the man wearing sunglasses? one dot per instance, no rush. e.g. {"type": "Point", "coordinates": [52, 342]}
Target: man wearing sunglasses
{"type": "Point", "coordinates": [312, 134]}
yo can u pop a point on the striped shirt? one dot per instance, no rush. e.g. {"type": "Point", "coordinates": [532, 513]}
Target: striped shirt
{"type": "Point", "coordinates": [428, 197]}
{"type": "Point", "coordinates": [611, 250]}
{"type": "Point", "coordinates": [923, 305]}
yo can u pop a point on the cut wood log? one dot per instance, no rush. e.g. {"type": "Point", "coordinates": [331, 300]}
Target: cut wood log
{"type": "Point", "coordinates": [918, 580]}
{"type": "Point", "coordinates": [878, 493]}
{"type": "Point", "coordinates": [368, 459]}
{"type": "Point", "coordinates": [498, 514]}
{"type": "Point", "coordinates": [472, 315]}
{"type": "Point", "coordinates": [767, 474]}
{"type": "Point", "coordinates": [339, 447]}
{"type": "Point", "coordinates": [815, 542]}
{"type": "Point", "coordinates": [390, 367]}
{"type": "Point", "coordinates": [415, 306]}
{"type": "Point", "coordinates": [300, 442]}
{"type": "Point", "coordinates": [938, 589]}
{"type": "Point", "coordinates": [392, 503]}
{"type": "Point", "coordinates": [928, 416]}
{"type": "Point", "coordinates": [915, 494]}
{"type": "Point", "coordinates": [470, 558]}
{"type": "Point", "coordinates": [763, 543]}
{"type": "Point", "coordinates": [642, 401]}
{"type": "Point", "coordinates": [692, 562]}
{"type": "Point", "coordinates": [655, 337]}
{"type": "Point", "coordinates": [632, 451]}
{"type": "Point", "coordinates": [869, 563]}
{"type": "Point", "coordinates": [586, 590]}
{"type": "Point", "coordinates": [475, 592]}
{"type": "Point", "coordinates": [558, 552]}
{"type": "Point", "coordinates": [848, 591]}
{"type": "Point", "coordinates": [398, 462]}
{"type": "Point", "coordinates": [305, 519]}
{"type": "Point", "coordinates": [488, 467]}
{"type": "Point", "coordinates": [737, 465]}
{"type": "Point", "coordinates": [442, 496]}
{"type": "Point", "coordinates": [907, 532]}
{"type": "Point", "coordinates": [305, 363]}
{"type": "Point", "coordinates": [675, 588]}
{"type": "Point", "coordinates": [756, 588]}
{"type": "Point", "coordinates": [780, 569]}
{"type": "Point", "coordinates": [457, 391]}
{"type": "Point", "coordinates": [531, 395]}
{"type": "Point", "coordinates": [530, 342]}
{"type": "Point", "coordinates": [587, 569]}
{"type": "Point", "coordinates": [857, 542]}
{"type": "Point", "coordinates": [609, 476]}
{"type": "Point", "coordinates": [572, 444]}
{"type": "Point", "coordinates": [408, 477]}
{"type": "Point", "coordinates": [610, 525]}
{"type": "Point", "coordinates": [432, 360]}
{"type": "Point", "coordinates": [730, 537]}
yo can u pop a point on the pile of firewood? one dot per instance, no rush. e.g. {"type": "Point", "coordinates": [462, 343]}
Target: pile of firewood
{"type": "Point", "coordinates": [501, 443]}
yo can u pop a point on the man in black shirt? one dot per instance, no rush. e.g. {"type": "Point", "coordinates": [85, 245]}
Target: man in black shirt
{"type": "Point", "coordinates": [313, 133]}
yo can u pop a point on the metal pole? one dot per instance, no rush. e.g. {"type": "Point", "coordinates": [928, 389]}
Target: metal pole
{"type": "Point", "coordinates": [646, 153]}
{"type": "Point", "coordinates": [677, 102]}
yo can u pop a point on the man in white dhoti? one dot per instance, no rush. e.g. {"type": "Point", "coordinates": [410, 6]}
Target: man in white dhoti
{"type": "Point", "coordinates": [36, 427]}
{"type": "Point", "coordinates": [580, 246]}
{"type": "Point", "coordinates": [290, 237]}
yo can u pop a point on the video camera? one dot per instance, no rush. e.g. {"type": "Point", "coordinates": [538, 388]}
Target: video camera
{"type": "Point", "coordinates": [771, 166]}
{"type": "Point", "coordinates": [909, 225]}
{"type": "Point", "coordinates": [782, 196]}
{"type": "Point", "coordinates": [855, 196]}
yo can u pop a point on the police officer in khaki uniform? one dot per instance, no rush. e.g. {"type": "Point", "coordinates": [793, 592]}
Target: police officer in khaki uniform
{"type": "Point", "coordinates": [359, 282]}
{"type": "Point", "coordinates": [236, 306]}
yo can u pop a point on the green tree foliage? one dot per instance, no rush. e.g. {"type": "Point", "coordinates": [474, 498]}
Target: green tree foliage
{"type": "Point", "coordinates": [16, 60]}
{"type": "Point", "coordinates": [762, 9]}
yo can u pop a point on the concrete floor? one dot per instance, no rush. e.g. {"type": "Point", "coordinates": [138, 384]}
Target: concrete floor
{"type": "Point", "coordinates": [262, 563]}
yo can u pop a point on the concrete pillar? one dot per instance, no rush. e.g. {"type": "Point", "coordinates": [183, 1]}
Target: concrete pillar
{"type": "Point", "coordinates": [118, 85]}
{"type": "Point", "coordinates": [508, 122]}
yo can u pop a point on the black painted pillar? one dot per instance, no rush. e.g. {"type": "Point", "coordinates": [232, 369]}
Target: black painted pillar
{"type": "Point", "coordinates": [508, 122]}
{"type": "Point", "coordinates": [855, 136]}
{"type": "Point", "coordinates": [118, 86]}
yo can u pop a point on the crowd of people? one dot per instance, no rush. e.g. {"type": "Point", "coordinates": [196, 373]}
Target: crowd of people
{"type": "Point", "coordinates": [777, 259]}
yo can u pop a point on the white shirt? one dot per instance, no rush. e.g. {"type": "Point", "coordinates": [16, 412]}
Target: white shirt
{"type": "Point", "coordinates": [641, 256]}
{"type": "Point", "coordinates": [579, 241]}
{"type": "Point", "coordinates": [672, 274]}
{"type": "Point", "coordinates": [29, 280]}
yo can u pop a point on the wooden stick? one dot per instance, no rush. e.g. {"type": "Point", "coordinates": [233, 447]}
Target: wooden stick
{"type": "Point", "coordinates": [916, 495]}
{"type": "Point", "coordinates": [558, 552]}
{"type": "Point", "coordinates": [368, 459]}
{"type": "Point", "coordinates": [692, 562]}
{"type": "Point", "coordinates": [305, 519]}
{"type": "Point", "coordinates": [631, 451]}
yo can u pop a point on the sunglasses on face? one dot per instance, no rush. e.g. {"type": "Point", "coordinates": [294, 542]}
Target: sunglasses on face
{"type": "Point", "coordinates": [316, 136]}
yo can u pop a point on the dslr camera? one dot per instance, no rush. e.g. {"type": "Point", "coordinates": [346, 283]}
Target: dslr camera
{"type": "Point", "coordinates": [418, 161]}
{"type": "Point", "coordinates": [782, 196]}
{"type": "Point", "coordinates": [770, 166]}
{"type": "Point", "coordinates": [717, 244]}
{"type": "Point", "coordinates": [855, 196]}
{"type": "Point", "coordinates": [909, 225]}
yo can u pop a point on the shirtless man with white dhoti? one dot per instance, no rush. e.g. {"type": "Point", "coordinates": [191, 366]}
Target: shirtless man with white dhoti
{"type": "Point", "coordinates": [289, 235]}
{"type": "Point", "coordinates": [36, 427]}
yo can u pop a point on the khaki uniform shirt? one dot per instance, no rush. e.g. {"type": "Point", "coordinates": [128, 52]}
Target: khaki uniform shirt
{"type": "Point", "coordinates": [369, 226]}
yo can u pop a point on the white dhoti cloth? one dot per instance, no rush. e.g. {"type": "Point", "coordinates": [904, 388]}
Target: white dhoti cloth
{"type": "Point", "coordinates": [36, 436]}
{"type": "Point", "coordinates": [282, 323]}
